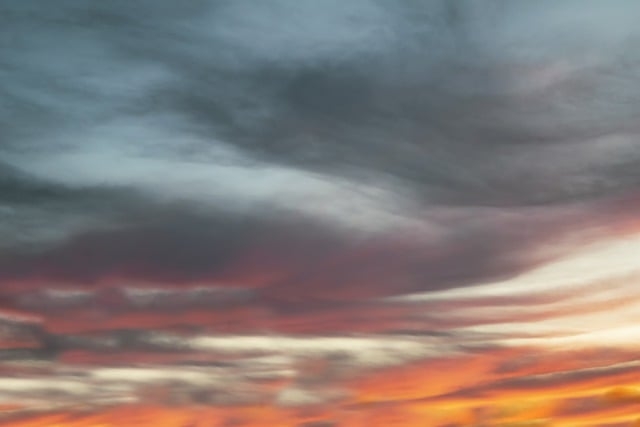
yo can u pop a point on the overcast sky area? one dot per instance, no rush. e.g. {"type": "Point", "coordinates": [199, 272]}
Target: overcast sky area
{"type": "Point", "coordinates": [319, 213]}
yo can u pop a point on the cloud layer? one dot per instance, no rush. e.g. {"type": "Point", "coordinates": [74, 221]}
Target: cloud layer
{"type": "Point", "coordinates": [319, 213]}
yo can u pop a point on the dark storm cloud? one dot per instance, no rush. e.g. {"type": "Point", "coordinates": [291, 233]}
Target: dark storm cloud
{"type": "Point", "coordinates": [112, 113]}
{"type": "Point", "coordinates": [169, 244]}
{"type": "Point", "coordinates": [35, 213]}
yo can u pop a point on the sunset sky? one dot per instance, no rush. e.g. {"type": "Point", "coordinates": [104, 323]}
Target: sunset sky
{"type": "Point", "coordinates": [319, 213]}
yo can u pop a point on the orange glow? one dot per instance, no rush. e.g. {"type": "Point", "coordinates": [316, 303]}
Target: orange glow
{"type": "Point", "coordinates": [455, 374]}
{"type": "Point", "coordinates": [462, 391]}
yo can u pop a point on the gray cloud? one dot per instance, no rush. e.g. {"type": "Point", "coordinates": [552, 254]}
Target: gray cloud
{"type": "Point", "coordinates": [356, 119]}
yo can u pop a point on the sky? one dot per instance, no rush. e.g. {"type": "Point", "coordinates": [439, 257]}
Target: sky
{"type": "Point", "coordinates": [330, 213]}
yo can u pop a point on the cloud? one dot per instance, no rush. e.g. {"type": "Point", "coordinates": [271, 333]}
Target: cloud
{"type": "Point", "coordinates": [269, 194]}
{"type": "Point", "coordinates": [231, 108]}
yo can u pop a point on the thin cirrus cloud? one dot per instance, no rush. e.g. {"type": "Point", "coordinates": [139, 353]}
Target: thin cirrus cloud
{"type": "Point", "coordinates": [318, 213]}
